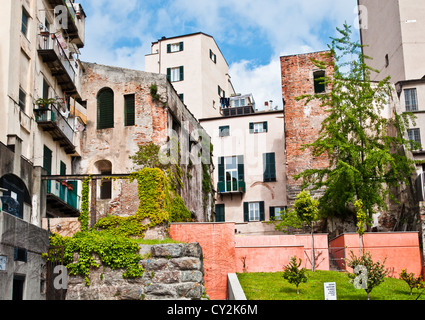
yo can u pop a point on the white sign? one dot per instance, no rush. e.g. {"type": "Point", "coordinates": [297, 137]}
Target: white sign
{"type": "Point", "coordinates": [330, 290]}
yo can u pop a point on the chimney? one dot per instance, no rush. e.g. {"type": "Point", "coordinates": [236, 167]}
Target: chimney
{"type": "Point", "coordinates": [266, 106]}
{"type": "Point", "coordinates": [271, 105]}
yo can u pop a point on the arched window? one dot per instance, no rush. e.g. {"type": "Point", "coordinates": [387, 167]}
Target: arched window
{"type": "Point", "coordinates": [105, 109]}
{"type": "Point", "coordinates": [105, 167]}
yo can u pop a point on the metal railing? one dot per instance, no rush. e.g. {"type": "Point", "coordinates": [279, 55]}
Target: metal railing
{"type": "Point", "coordinates": [52, 114]}
{"type": "Point", "coordinates": [49, 41]}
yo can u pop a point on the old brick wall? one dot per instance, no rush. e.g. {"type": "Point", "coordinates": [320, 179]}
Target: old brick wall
{"type": "Point", "coordinates": [153, 120]}
{"type": "Point", "coordinates": [172, 271]}
{"type": "Point", "coordinates": [302, 122]}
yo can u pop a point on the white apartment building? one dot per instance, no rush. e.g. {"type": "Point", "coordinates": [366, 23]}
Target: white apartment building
{"type": "Point", "coordinates": [196, 67]}
{"type": "Point", "coordinates": [392, 33]}
{"type": "Point", "coordinates": [249, 161]}
{"type": "Point", "coordinates": [41, 116]}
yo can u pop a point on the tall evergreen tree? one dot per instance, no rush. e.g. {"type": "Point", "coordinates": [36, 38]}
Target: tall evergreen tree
{"type": "Point", "coordinates": [366, 150]}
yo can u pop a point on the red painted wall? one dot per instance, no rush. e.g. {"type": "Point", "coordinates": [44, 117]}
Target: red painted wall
{"type": "Point", "coordinates": [400, 249]}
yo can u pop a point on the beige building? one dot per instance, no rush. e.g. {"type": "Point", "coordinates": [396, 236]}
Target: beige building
{"type": "Point", "coordinates": [392, 33]}
{"type": "Point", "coordinates": [249, 161]}
{"type": "Point", "coordinates": [197, 69]}
{"type": "Point", "coordinates": [39, 94]}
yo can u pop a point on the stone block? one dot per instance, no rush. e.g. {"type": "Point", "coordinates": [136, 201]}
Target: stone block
{"type": "Point", "coordinates": [186, 263]}
{"type": "Point", "coordinates": [172, 250]}
{"type": "Point", "coordinates": [192, 276]}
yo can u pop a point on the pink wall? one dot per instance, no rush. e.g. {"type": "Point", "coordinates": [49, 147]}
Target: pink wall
{"type": "Point", "coordinates": [218, 244]}
{"type": "Point", "coordinates": [401, 249]}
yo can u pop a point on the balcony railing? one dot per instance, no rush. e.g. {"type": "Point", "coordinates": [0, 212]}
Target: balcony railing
{"type": "Point", "coordinates": [229, 187]}
{"type": "Point", "coordinates": [64, 194]}
{"type": "Point", "coordinates": [51, 120]}
{"type": "Point", "coordinates": [236, 111]}
{"type": "Point", "coordinates": [53, 54]}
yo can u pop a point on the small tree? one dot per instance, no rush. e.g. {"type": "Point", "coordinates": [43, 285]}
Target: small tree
{"type": "Point", "coordinates": [293, 274]}
{"type": "Point", "coordinates": [412, 281]}
{"type": "Point", "coordinates": [367, 274]}
{"type": "Point", "coordinates": [304, 213]}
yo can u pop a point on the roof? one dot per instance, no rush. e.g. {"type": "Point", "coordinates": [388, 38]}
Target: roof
{"type": "Point", "coordinates": [258, 113]}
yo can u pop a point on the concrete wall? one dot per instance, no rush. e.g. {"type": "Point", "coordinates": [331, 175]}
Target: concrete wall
{"type": "Point", "coordinates": [400, 249]}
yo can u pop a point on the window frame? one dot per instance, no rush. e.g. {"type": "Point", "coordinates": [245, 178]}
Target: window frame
{"type": "Point", "coordinates": [213, 56]}
{"type": "Point", "coordinates": [22, 103]}
{"type": "Point", "coordinates": [319, 76]}
{"type": "Point", "coordinates": [25, 25]}
{"type": "Point", "coordinates": [129, 115]}
{"type": "Point", "coordinates": [415, 133]}
{"type": "Point", "coordinates": [109, 123]}
{"type": "Point", "coordinates": [411, 100]}
{"type": "Point", "coordinates": [173, 72]}
{"type": "Point", "coordinates": [269, 167]}
{"type": "Point", "coordinates": [175, 47]}
{"type": "Point", "coordinates": [223, 132]}
{"type": "Point", "coordinates": [254, 127]}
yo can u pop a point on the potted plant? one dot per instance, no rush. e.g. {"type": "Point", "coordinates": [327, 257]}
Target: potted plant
{"type": "Point", "coordinates": [44, 103]}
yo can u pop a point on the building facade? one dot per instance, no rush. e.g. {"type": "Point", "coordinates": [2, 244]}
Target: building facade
{"type": "Point", "coordinates": [125, 109]}
{"type": "Point", "coordinates": [399, 56]}
{"type": "Point", "coordinates": [39, 94]}
{"type": "Point", "coordinates": [249, 161]}
{"type": "Point", "coordinates": [197, 69]}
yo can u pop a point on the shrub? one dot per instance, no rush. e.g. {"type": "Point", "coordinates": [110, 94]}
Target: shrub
{"type": "Point", "coordinates": [293, 274]}
{"type": "Point", "coordinates": [412, 281]}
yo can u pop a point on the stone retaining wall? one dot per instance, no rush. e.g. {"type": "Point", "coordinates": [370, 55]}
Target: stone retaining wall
{"type": "Point", "coordinates": [172, 271]}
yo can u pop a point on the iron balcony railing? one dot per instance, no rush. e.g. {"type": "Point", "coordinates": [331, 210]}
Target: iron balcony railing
{"type": "Point", "coordinates": [235, 187]}
{"type": "Point", "coordinates": [50, 42]}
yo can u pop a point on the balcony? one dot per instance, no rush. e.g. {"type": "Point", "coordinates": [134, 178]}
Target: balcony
{"type": "Point", "coordinates": [53, 54]}
{"type": "Point", "coordinates": [237, 111]}
{"type": "Point", "coordinates": [62, 198]}
{"type": "Point", "coordinates": [231, 188]}
{"type": "Point", "coordinates": [51, 120]}
{"type": "Point", "coordinates": [76, 20]}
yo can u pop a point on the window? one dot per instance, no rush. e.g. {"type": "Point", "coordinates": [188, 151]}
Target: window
{"type": "Point", "coordinates": [129, 110]}
{"type": "Point", "coordinates": [387, 60]}
{"type": "Point", "coordinates": [25, 22]}
{"type": "Point", "coordinates": [18, 288]}
{"type": "Point", "coordinates": [105, 109]}
{"type": "Point", "coordinates": [213, 57]}
{"type": "Point", "coordinates": [319, 82]}
{"type": "Point", "coordinates": [276, 213]}
{"type": "Point", "coordinates": [175, 74]}
{"type": "Point", "coordinates": [231, 174]}
{"type": "Point", "coordinates": [415, 137]}
{"type": "Point", "coordinates": [175, 47]}
{"type": "Point", "coordinates": [22, 100]}
{"type": "Point", "coordinates": [220, 215]}
{"type": "Point", "coordinates": [224, 131]}
{"type": "Point", "coordinates": [269, 165]}
{"type": "Point", "coordinates": [410, 96]}
{"type": "Point", "coordinates": [254, 211]}
{"type": "Point", "coordinates": [20, 255]}
{"type": "Point", "coordinates": [47, 165]}
{"type": "Point", "coordinates": [221, 92]}
{"type": "Point", "coordinates": [258, 127]}
{"type": "Point", "coordinates": [181, 96]}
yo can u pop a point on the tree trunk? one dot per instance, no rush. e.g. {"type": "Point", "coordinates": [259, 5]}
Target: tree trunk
{"type": "Point", "coordinates": [313, 256]}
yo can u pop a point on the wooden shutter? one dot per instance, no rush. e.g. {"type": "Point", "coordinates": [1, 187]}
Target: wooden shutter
{"type": "Point", "coordinates": [129, 110]}
{"type": "Point", "coordinates": [221, 175]}
{"type": "Point", "coordinates": [241, 168]}
{"type": "Point", "coordinates": [272, 212]}
{"type": "Point", "coordinates": [262, 214]}
{"type": "Point", "coordinates": [265, 126]}
{"type": "Point", "coordinates": [246, 211]}
{"type": "Point", "coordinates": [105, 109]}
{"type": "Point", "coordinates": [47, 160]}
{"type": "Point", "coordinates": [220, 213]}
{"type": "Point", "coordinates": [181, 46]}
{"type": "Point", "coordinates": [181, 73]}
{"type": "Point", "coordinates": [168, 48]}
{"type": "Point", "coordinates": [251, 127]}
{"type": "Point", "coordinates": [269, 166]}
{"type": "Point", "coordinates": [169, 74]}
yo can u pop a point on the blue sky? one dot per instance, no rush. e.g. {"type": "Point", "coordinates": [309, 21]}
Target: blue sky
{"type": "Point", "coordinates": [252, 34]}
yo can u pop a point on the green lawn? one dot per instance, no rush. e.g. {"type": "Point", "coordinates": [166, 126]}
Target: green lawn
{"type": "Point", "coordinates": [272, 286]}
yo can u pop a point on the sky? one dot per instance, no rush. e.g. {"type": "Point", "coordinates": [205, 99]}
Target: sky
{"type": "Point", "coordinates": [251, 34]}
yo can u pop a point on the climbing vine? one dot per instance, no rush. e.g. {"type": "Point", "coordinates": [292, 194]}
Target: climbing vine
{"type": "Point", "coordinates": [84, 212]}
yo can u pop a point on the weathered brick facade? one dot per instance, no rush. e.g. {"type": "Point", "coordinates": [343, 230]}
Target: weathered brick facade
{"type": "Point", "coordinates": [109, 149]}
{"type": "Point", "coordinates": [302, 122]}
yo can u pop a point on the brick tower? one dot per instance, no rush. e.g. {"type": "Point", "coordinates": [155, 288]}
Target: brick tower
{"type": "Point", "coordinates": [302, 122]}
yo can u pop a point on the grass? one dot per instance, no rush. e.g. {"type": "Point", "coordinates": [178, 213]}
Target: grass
{"type": "Point", "coordinates": [272, 286]}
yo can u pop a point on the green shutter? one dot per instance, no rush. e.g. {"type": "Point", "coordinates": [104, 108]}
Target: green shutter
{"type": "Point", "coordinates": [221, 187]}
{"type": "Point", "coordinates": [272, 213]}
{"type": "Point", "coordinates": [269, 167]}
{"type": "Point", "coordinates": [265, 126]}
{"type": "Point", "coordinates": [105, 109]}
{"type": "Point", "coordinates": [168, 48]}
{"type": "Point", "coordinates": [241, 169]}
{"type": "Point", "coordinates": [181, 73]}
{"type": "Point", "coordinates": [47, 165]}
{"type": "Point", "coordinates": [220, 213]}
{"type": "Point", "coordinates": [262, 214]}
{"type": "Point", "coordinates": [169, 74]}
{"type": "Point", "coordinates": [181, 46]}
{"type": "Point", "coordinates": [129, 109]}
{"type": "Point", "coordinates": [63, 169]}
{"type": "Point", "coordinates": [251, 127]}
{"type": "Point", "coordinates": [246, 211]}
